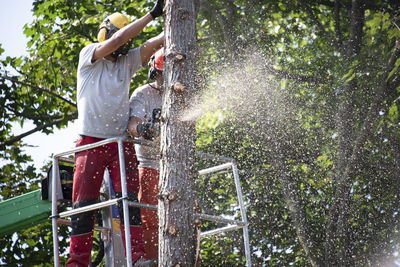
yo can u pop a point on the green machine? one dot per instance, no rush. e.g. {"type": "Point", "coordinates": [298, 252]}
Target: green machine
{"type": "Point", "coordinates": [33, 208]}
{"type": "Point", "coordinates": [23, 211]}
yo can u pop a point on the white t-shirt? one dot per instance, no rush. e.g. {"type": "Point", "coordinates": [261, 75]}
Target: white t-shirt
{"type": "Point", "coordinates": [103, 93]}
{"type": "Point", "coordinates": [142, 103]}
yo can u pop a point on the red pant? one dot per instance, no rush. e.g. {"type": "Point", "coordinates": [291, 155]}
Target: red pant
{"type": "Point", "coordinates": [90, 165]}
{"type": "Point", "coordinates": [88, 176]}
{"type": "Point", "coordinates": [148, 193]}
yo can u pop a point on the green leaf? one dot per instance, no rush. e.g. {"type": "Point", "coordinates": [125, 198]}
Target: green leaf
{"type": "Point", "coordinates": [394, 70]}
{"type": "Point", "coordinates": [393, 113]}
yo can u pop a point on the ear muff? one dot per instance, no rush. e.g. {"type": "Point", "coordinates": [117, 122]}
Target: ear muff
{"type": "Point", "coordinates": [152, 69]}
{"type": "Point", "coordinates": [156, 63]}
{"type": "Point", "coordinates": [106, 30]}
{"type": "Point", "coordinates": [102, 35]}
{"type": "Point", "coordinates": [111, 25]}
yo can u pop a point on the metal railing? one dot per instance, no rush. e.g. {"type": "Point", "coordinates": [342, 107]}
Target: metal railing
{"type": "Point", "coordinates": [231, 224]}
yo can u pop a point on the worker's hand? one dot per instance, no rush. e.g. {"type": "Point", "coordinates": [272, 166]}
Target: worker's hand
{"type": "Point", "coordinates": [145, 130]}
{"type": "Point", "coordinates": [157, 9]}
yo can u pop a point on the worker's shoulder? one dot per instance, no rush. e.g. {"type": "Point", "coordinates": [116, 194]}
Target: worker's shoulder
{"type": "Point", "coordinates": [89, 47]}
{"type": "Point", "coordinates": [142, 89]}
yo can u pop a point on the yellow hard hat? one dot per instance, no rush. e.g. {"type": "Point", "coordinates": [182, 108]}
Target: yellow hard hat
{"type": "Point", "coordinates": [111, 25]}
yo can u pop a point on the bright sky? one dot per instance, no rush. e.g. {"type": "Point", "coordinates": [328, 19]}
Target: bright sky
{"type": "Point", "coordinates": [14, 15]}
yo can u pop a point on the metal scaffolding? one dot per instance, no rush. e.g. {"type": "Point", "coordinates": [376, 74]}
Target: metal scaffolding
{"type": "Point", "coordinates": [56, 217]}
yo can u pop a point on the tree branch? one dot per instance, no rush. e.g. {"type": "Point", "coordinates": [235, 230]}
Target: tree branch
{"type": "Point", "coordinates": [338, 32]}
{"type": "Point", "coordinates": [38, 128]}
{"type": "Point", "coordinates": [336, 244]}
{"type": "Point", "coordinates": [320, 26]}
{"type": "Point", "coordinates": [372, 114]}
{"type": "Point", "coordinates": [40, 89]}
{"type": "Point", "coordinates": [52, 65]}
{"type": "Point", "coordinates": [81, 31]}
{"type": "Point", "coordinates": [356, 27]}
{"type": "Point", "coordinates": [291, 76]}
{"type": "Point", "coordinates": [395, 144]}
{"type": "Point", "coordinates": [34, 118]}
{"type": "Point", "coordinates": [222, 21]}
{"type": "Point", "coordinates": [292, 199]}
{"type": "Point", "coordinates": [342, 195]}
{"type": "Point", "coordinates": [368, 5]}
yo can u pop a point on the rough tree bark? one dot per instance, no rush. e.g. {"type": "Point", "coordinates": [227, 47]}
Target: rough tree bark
{"type": "Point", "coordinates": [176, 200]}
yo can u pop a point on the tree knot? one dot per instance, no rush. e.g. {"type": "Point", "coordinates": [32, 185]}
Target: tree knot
{"type": "Point", "coordinates": [173, 195]}
{"type": "Point", "coordinates": [172, 230]}
{"type": "Point", "coordinates": [179, 87]}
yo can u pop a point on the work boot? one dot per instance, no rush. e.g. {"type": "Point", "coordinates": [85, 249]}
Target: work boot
{"type": "Point", "coordinates": [146, 263]}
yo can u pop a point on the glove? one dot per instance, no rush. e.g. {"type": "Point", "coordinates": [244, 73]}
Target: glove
{"type": "Point", "coordinates": [157, 9]}
{"type": "Point", "coordinates": [147, 132]}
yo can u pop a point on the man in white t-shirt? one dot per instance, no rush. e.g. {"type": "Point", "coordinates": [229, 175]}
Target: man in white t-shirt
{"type": "Point", "coordinates": [146, 102]}
{"type": "Point", "coordinates": [104, 74]}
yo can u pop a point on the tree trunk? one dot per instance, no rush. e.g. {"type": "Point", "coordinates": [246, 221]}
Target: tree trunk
{"type": "Point", "coordinates": [338, 245]}
{"type": "Point", "coordinates": [176, 200]}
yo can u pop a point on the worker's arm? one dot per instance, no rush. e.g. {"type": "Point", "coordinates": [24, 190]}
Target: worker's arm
{"type": "Point", "coordinates": [132, 125]}
{"type": "Point", "coordinates": [137, 128]}
{"type": "Point", "coordinates": [121, 37]}
{"type": "Point", "coordinates": [125, 34]}
{"type": "Point", "coordinates": [150, 46]}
